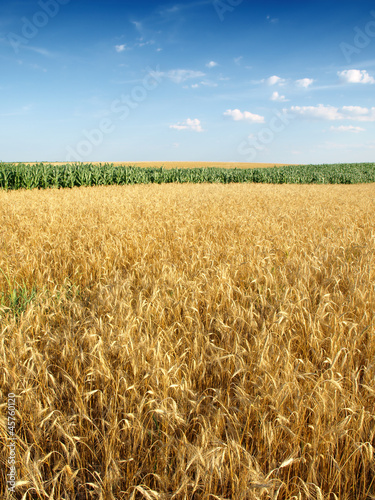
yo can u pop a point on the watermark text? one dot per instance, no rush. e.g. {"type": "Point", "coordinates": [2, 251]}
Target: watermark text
{"type": "Point", "coordinates": [30, 27]}
{"type": "Point", "coordinates": [223, 6]}
{"type": "Point", "coordinates": [11, 444]}
{"type": "Point", "coordinates": [362, 39]}
{"type": "Point", "coordinates": [255, 143]}
{"type": "Point", "coordinates": [121, 108]}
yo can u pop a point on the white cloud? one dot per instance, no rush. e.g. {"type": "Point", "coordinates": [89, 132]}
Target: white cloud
{"type": "Point", "coordinates": [238, 115]}
{"type": "Point", "coordinates": [304, 82]}
{"type": "Point", "coordinates": [179, 75]}
{"type": "Point", "coordinates": [273, 80]}
{"type": "Point", "coordinates": [355, 76]}
{"type": "Point", "coordinates": [277, 97]}
{"type": "Point", "coordinates": [331, 113]}
{"type": "Point", "coordinates": [120, 48]}
{"type": "Point", "coordinates": [188, 124]}
{"type": "Point", "coordinates": [237, 60]}
{"type": "Point", "coordinates": [321, 112]}
{"type": "Point", "coordinates": [211, 64]}
{"type": "Point", "coordinates": [347, 128]}
{"type": "Point", "coordinates": [355, 110]}
{"type": "Point", "coordinates": [358, 113]}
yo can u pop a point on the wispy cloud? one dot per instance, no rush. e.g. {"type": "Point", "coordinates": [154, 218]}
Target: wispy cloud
{"type": "Point", "coordinates": [169, 17]}
{"type": "Point", "coordinates": [189, 124]}
{"type": "Point", "coordinates": [211, 64]}
{"type": "Point", "coordinates": [206, 83]}
{"type": "Point", "coordinates": [138, 26]}
{"type": "Point", "coordinates": [347, 128]}
{"type": "Point", "coordinates": [238, 115]}
{"type": "Point", "coordinates": [180, 7]}
{"type": "Point", "coordinates": [180, 75]}
{"type": "Point", "coordinates": [38, 50]}
{"type": "Point", "coordinates": [18, 44]}
{"type": "Point", "coordinates": [330, 113]}
{"type": "Point", "coordinates": [355, 76]}
{"type": "Point", "coordinates": [140, 42]}
{"type": "Point", "coordinates": [146, 37]}
{"type": "Point", "coordinates": [272, 20]}
{"type": "Point", "coordinates": [202, 84]}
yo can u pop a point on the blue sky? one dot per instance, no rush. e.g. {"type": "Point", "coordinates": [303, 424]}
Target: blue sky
{"type": "Point", "coordinates": [204, 80]}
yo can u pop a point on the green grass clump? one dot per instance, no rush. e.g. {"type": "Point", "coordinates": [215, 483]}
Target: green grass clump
{"type": "Point", "coordinates": [15, 297]}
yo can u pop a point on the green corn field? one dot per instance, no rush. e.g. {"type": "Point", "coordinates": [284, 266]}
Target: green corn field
{"type": "Point", "coordinates": [42, 176]}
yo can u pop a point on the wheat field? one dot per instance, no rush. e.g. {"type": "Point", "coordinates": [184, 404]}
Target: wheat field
{"type": "Point", "coordinates": [189, 341]}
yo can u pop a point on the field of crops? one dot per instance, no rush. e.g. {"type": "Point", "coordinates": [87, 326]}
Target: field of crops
{"type": "Point", "coordinates": [197, 164]}
{"type": "Point", "coordinates": [189, 342]}
{"type": "Point", "coordinates": [21, 176]}
{"type": "Point", "coordinates": [168, 165]}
